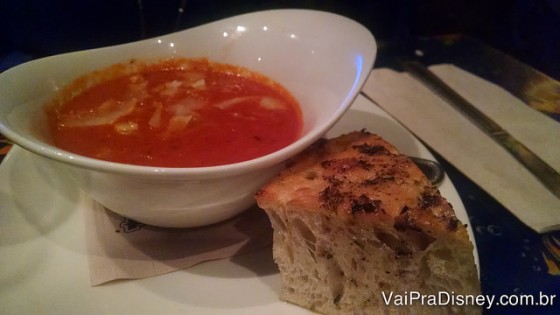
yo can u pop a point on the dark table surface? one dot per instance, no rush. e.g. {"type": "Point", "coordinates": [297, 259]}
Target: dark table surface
{"type": "Point", "coordinates": [515, 262]}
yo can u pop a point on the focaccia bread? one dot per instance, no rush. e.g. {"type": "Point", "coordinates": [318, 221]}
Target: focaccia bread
{"type": "Point", "coordinates": [359, 229]}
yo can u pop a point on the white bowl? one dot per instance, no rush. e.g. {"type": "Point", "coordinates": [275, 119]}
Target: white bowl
{"type": "Point", "coordinates": [323, 59]}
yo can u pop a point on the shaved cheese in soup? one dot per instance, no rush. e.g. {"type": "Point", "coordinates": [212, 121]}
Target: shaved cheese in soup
{"type": "Point", "coordinates": [174, 113]}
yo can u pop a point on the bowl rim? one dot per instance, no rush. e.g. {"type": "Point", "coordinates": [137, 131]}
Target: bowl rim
{"type": "Point", "coordinates": [271, 159]}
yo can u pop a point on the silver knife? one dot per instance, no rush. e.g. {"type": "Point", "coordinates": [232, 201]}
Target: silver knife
{"type": "Point", "coordinates": [542, 171]}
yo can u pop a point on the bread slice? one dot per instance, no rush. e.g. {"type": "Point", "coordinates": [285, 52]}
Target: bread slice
{"type": "Point", "coordinates": [359, 229]}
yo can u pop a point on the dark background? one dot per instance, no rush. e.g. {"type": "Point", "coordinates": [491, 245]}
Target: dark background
{"type": "Point", "coordinates": [528, 30]}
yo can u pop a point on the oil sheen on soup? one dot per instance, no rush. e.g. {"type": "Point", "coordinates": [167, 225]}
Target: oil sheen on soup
{"type": "Point", "coordinates": [174, 113]}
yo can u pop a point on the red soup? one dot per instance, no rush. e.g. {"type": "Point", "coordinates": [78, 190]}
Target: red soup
{"type": "Point", "coordinates": [174, 113]}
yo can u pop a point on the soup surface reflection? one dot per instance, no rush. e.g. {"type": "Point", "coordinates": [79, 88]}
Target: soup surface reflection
{"type": "Point", "coordinates": [174, 113]}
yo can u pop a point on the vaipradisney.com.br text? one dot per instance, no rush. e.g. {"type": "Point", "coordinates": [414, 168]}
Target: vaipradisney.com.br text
{"type": "Point", "coordinates": [443, 298]}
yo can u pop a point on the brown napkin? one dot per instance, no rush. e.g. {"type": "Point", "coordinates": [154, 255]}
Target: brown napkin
{"type": "Point", "coordinates": [460, 142]}
{"type": "Point", "coordinates": [119, 248]}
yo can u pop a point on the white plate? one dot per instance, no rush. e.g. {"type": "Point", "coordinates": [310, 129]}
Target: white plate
{"type": "Point", "coordinates": [44, 266]}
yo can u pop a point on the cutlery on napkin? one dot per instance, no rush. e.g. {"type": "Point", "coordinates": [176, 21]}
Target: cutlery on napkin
{"type": "Point", "coordinates": [467, 147]}
{"type": "Point", "coordinates": [544, 172]}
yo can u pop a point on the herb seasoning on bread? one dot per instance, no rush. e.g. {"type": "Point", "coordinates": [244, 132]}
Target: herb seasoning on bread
{"type": "Point", "coordinates": [356, 221]}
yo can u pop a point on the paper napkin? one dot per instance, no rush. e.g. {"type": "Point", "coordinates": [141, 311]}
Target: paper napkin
{"type": "Point", "coordinates": [468, 148]}
{"type": "Point", "coordinates": [120, 248]}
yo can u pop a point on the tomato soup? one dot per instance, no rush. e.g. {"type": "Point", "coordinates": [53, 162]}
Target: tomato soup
{"type": "Point", "coordinates": [174, 113]}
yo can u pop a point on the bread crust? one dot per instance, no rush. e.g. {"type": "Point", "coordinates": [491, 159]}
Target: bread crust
{"type": "Point", "coordinates": [353, 218]}
{"type": "Point", "coordinates": [361, 177]}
